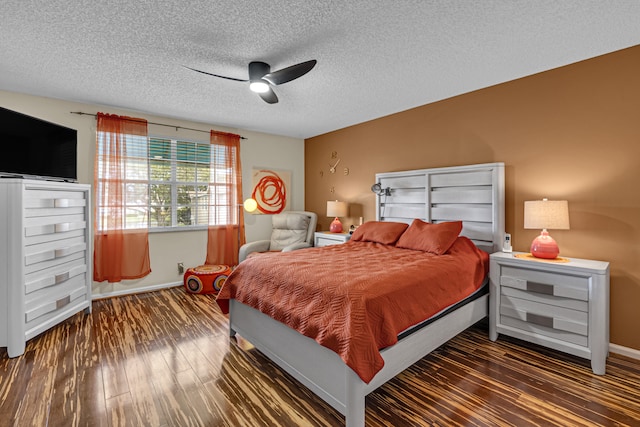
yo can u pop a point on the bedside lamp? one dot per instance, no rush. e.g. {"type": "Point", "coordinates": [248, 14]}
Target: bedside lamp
{"type": "Point", "coordinates": [546, 214]}
{"type": "Point", "coordinates": [336, 209]}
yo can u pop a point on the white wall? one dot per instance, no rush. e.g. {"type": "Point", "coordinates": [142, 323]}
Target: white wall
{"type": "Point", "coordinates": [167, 249]}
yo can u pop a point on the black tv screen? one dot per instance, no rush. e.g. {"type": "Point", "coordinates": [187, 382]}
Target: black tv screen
{"type": "Point", "coordinates": [34, 148]}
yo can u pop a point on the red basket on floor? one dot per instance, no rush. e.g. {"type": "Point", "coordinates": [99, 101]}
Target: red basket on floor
{"type": "Point", "coordinates": [206, 279]}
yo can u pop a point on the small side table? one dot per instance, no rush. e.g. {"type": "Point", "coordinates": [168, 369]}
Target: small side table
{"type": "Point", "coordinates": [326, 238]}
{"type": "Point", "coordinates": [561, 304]}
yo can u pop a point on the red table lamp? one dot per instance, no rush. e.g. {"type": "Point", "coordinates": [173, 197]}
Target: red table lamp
{"type": "Point", "coordinates": [546, 214]}
{"type": "Point", "coordinates": [336, 209]}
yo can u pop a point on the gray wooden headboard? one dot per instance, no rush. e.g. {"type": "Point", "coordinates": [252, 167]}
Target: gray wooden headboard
{"type": "Point", "coordinates": [473, 194]}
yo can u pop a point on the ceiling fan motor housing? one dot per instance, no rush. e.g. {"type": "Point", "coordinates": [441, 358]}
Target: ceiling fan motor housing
{"type": "Point", "coordinates": [257, 70]}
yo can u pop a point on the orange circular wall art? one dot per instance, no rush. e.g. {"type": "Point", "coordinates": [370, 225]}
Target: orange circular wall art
{"type": "Point", "coordinates": [269, 191]}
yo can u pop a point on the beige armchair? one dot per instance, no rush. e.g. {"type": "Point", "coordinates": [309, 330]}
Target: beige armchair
{"type": "Point", "coordinates": [290, 231]}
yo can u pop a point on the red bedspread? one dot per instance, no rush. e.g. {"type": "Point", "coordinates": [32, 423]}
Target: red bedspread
{"type": "Point", "coordinates": [356, 298]}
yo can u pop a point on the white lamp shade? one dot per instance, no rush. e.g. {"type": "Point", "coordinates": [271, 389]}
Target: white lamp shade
{"type": "Point", "coordinates": [546, 214]}
{"type": "Point", "coordinates": [336, 208]}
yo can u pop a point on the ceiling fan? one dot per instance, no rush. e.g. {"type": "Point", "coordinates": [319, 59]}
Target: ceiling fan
{"type": "Point", "coordinates": [261, 78]}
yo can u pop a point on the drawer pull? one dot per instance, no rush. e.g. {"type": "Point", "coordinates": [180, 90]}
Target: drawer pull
{"type": "Point", "coordinates": [61, 203]}
{"type": "Point", "coordinates": [59, 253]}
{"type": "Point", "coordinates": [540, 320]}
{"type": "Point", "coordinates": [540, 288]}
{"type": "Point", "coordinates": [61, 228]}
{"type": "Point", "coordinates": [63, 301]}
{"type": "Point", "coordinates": [62, 277]}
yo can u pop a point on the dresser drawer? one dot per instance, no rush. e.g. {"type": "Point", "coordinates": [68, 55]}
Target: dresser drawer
{"type": "Point", "coordinates": [542, 282]}
{"type": "Point", "coordinates": [50, 254]}
{"type": "Point", "coordinates": [40, 202]}
{"type": "Point", "coordinates": [47, 229]}
{"type": "Point", "coordinates": [53, 304]}
{"type": "Point", "coordinates": [54, 276]}
{"type": "Point", "coordinates": [52, 293]}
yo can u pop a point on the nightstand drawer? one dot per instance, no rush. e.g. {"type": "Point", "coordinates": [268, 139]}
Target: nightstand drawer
{"type": "Point", "coordinates": [543, 282]}
{"type": "Point", "coordinates": [554, 317]}
{"type": "Point", "coordinates": [322, 241]}
{"type": "Point", "coordinates": [532, 328]}
{"type": "Point", "coordinates": [549, 300]}
{"type": "Point", "coordinates": [325, 238]}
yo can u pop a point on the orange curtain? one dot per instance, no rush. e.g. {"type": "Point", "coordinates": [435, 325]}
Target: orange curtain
{"type": "Point", "coordinates": [226, 216]}
{"type": "Point", "coordinates": [118, 253]}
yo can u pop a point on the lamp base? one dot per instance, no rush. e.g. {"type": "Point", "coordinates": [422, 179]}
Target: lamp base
{"type": "Point", "coordinates": [336, 226]}
{"type": "Point", "coordinates": [544, 246]}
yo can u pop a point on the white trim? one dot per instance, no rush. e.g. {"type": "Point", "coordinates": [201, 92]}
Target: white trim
{"type": "Point", "coordinates": [624, 351]}
{"type": "Point", "coordinates": [123, 292]}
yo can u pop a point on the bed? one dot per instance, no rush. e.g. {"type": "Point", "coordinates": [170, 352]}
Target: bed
{"type": "Point", "coordinates": [472, 194]}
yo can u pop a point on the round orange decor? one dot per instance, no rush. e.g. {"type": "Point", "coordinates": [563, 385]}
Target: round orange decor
{"type": "Point", "coordinates": [206, 279]}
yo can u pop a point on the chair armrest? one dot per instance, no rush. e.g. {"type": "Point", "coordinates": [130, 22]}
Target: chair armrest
{"type": "Point", "coordinates": [257, 246]}
{"type": "Point", "coordinates": [295, 246]}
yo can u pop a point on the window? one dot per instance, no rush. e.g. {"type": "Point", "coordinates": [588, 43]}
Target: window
{"type": "Point", "coordinates": [172, 184]}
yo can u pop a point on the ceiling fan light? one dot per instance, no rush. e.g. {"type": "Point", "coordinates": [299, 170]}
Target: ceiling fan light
{"type": "Point", "coordinates": [259, 86]}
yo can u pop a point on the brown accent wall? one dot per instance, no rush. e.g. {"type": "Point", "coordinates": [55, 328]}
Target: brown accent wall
{"type": "Point", "coordinates": [571, 133]}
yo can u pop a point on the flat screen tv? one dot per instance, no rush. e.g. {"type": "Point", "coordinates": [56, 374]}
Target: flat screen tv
{"type": "Point", "coordinates": [34, 148]}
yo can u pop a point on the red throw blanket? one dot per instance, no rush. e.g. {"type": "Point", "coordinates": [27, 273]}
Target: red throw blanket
{"type": "Point", "coordinates": [356, 298]}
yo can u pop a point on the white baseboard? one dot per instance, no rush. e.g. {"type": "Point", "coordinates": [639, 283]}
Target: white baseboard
{"type": "Point", "coordinates": [624, 351]}
{"type": "Point", "coordinates": [134, 291]}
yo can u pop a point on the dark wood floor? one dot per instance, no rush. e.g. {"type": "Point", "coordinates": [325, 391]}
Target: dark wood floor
{"type": "Point", "coordinates": [164, 359]}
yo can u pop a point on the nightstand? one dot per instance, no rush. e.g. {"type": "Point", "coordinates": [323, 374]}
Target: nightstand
{"type": "Point", "coordinates": [560, 305]}
{"type": "Point", "coordinates": [326, 238]}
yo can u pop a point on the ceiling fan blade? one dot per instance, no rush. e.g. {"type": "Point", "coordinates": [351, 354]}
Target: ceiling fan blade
{"type": "Point", "coordinates": [269, 96]}
{"type": "Point", "coordinates": [216, 75]}
{"type": "Point", "coordinates": [290, 73]}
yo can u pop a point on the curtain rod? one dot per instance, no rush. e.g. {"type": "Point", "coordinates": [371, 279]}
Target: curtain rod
{"type": "Point", "coordinates": [151, 123]}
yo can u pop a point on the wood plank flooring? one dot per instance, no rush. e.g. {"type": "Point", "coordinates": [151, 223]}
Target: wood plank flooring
{"type": "Point", "coordinates": [165, 359]}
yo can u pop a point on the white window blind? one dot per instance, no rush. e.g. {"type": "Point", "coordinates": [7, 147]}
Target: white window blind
{"type": "Point", "coordinates": [171, 184]}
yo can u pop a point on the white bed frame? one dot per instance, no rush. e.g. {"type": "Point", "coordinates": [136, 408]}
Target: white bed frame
{"type": "Point", "coordinates": [473, 194]}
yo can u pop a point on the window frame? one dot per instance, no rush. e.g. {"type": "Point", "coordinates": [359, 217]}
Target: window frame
{"type": "Point", "coordinates": [174, 183]}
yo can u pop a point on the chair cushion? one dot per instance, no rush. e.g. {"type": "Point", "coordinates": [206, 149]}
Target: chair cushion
{"type": "Point", "coordinates": [288, 228]}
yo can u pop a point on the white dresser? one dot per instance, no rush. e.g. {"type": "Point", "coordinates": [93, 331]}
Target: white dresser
{"type": "Point", "coordinates": [45, 257]}
{"type": "Point", "coordinates": [561, 305]}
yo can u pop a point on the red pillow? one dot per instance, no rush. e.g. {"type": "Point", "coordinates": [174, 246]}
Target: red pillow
{"type": "Point", "coordinates": [378, 231]}
{"type": "Point", "coordinates": [433, 238]}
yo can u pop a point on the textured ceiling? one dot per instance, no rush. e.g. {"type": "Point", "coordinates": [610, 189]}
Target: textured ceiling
{"type": "Point", "coordinates": [375, 57]}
